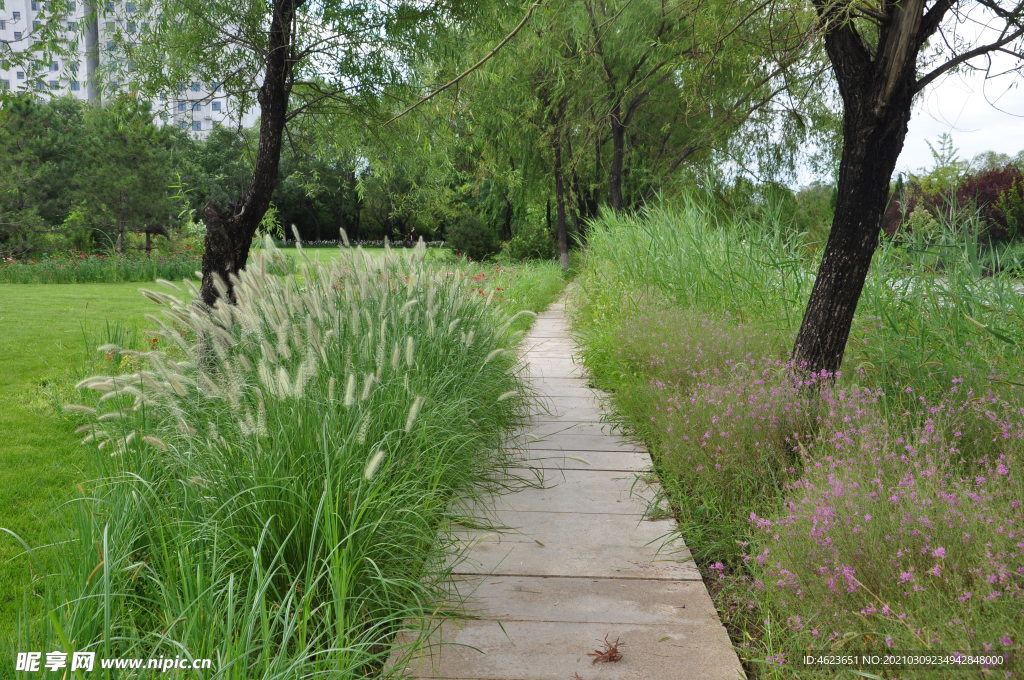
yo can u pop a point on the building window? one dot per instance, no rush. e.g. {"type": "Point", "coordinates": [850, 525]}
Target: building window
{"type": "Point", "coordinates": [17, 35]}
{"type": "Point", "coordinates": [183, 124]}
{"type": "Point", "coordinates": [20, 75]}
{"type": "Point", "coordinates": [181, 106]}
{"type": "Point", "coordinates": [131, 27]}
{"type": "Point", "coordinates": [195, 86]}
{"type": "Point", "coordinates": [197, 106]}
{"type": "Point", "coordinates": [16, 16]}
{"type": "Point", "coordinates": [37, 24]}
{"type": "Point", "coordinates": [130, 7]}
{"type": "Point", "coordinates": [110, 7]}
{"type": "Point", "coordinates": [197, 125]}
{"type": "Point", "coordinates": [72, 25]}
{"type": "Point", "coordinates": [54, 66]}
{"type": "Point", "coordinates": [5, 84]}
{"type": "Point", "coordinates": [72, 6]}
{"type": "Point", "coordinates": [3, 24]}
{"type": "Point", "coordinates": [73, 66]}
{"type": "Point", "coordinates": [75, 86]}
{"type": "Point", "coordinates": [53, 84]}
{"type": "Point", "coordinates": [35, 6]}
{"type": "Point", "coordinates": [215, 106]}
{"type": "Point", "coordinates": [111, 47]}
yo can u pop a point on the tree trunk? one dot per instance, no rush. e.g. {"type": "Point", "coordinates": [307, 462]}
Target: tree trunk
{"type": "Point", "coordinates": [618, 159]}
{"type": "Point", "coordinates": [872, 140]}
{"type": "Point", "coordinates": [561, 227]}
{"type": "Point", "coordinates": [506, 225]}
{"type": "Point", "coordinates": [119, 244]}
{"type": "Point", "coordinates": [229, 232]}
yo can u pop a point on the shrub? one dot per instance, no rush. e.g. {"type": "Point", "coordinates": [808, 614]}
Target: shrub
{"type": "Point", "coordinates": [101, 268]}
{"type": "Point", "coordinates": [1010, 207]}
{"type": "Point", "coordinates": [984, 190]}
{"type": "Point", "coordinates": [471, 235]}
{"type": "Point", "coordinates": [532, 241]}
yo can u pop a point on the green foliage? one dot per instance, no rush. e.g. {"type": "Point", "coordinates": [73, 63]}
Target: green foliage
{"type": "Point", "coordinates": [1011, 206]}
{"type": "Point", "coordinates": [40, 149]}
{"type": "Point", "coordinates": [812, 214]}
{"type": "Point", "coordinates": [471, 235]}
{"type": "Point", "coordinates": [532, 240]}
{"type": "Point", "coordinates": [81, 177]}
{"type": "Point", "coordinates": [923, 224]}
{"type": "Point", "coordinates": [948, 168]}
{"type": "Point", "coordinates": [85, 268]}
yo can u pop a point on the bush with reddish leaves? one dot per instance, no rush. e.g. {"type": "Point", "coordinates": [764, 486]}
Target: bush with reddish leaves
{"type": "Point", "coordinates": [997, 194]}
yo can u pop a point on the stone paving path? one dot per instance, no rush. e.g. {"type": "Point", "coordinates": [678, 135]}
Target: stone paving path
{"type": "Point", "coordinates": [576, 560]}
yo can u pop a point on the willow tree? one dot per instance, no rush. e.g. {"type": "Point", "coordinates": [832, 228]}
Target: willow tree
{"type": "Point", "coordinates": [608, 102]}
{"type": "Point", "coordinates": [883, 54]}
{"type": "Point", "coordinates": [286, 58]}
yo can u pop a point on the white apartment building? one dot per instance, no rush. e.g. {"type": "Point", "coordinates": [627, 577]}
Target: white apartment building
{"type": "Point", "coordinates": [94, 67]}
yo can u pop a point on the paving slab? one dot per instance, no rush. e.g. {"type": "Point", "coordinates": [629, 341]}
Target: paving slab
{"type": "Point", "coordinates": [545, 650]}
{"type": "Point", "coordinates": [549, 528]}
{"type": "Point", "coordinates": [583, 600]}
{"type": "Point", "coordinates": [571, 409]}
{"type": "Point", "coordinates": [538, 368]}
{"type": "Point", "coordinates": [582, 491]}
{"type": "Point", "coordinates": [575, 442]}
{"type": "Point", "coordinates": [540, 429]}
{"type": "Point", "coordinates": [554, 388]}
{"type": "Point", "coordinates": [626, 461]}
{"type": "Point", "coordinates": [549, 435]}
{"type": "Point", "coordinates": [490, 558]}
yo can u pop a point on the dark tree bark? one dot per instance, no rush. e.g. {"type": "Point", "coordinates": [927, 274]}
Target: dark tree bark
{"type": "Point", "coordinates": [229, 231]}
{"type": "Point", "coordinates": [506, 224]}
{"type": "Point", "coordinates": [618, 160]}
{"type": "Point", "coordinates": [877, 86]}
{"type": "Point", "coordinates": [869, 157]}
{"type": "Point", "coordinates": [561, 223]}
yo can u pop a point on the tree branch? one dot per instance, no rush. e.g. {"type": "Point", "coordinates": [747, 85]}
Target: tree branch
{"type": "Point", "coordinates": [487, 57]}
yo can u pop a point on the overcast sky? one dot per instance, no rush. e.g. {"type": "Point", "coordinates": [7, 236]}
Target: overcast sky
{"type": "Point", "coordinates": [962, 105]}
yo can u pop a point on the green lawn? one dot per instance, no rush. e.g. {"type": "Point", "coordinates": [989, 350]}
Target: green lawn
{"type": "Point", "coordinates": [46, 332]}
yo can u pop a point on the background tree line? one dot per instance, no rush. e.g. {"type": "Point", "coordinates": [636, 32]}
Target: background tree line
{"type": "Point", "coordinates": [88, 178]}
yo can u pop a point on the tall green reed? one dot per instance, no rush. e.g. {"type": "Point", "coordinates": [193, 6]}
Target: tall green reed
{"type": "Point", "coordinates": [933, 308]}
